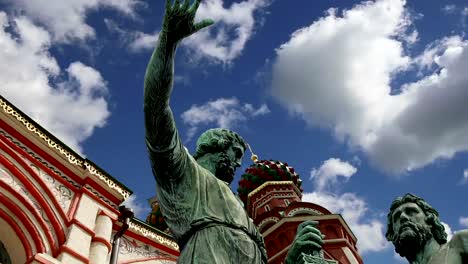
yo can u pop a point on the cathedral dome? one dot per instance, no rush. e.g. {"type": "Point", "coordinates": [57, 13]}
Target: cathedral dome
{"type": "Point", "coordinates": [263, 171]}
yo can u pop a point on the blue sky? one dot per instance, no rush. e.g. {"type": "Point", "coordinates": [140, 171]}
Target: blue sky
{"type": "Point", "coordinates": [367, 100]}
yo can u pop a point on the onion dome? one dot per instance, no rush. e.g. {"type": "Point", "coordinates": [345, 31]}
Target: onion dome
{"type": "Point", "coordinates": [155, 217]}
{"type": "Point", "coordinates": [263, 171]}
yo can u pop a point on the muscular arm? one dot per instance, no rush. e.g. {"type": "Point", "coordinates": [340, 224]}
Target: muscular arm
{"type": "Point", "coordinates": [160, 129]}
{"type": "Point", "coordinates": [166, 151]}
{"type": "Point", "coordinates": [159, 77]}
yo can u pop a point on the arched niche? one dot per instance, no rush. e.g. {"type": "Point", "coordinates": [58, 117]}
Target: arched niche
{"type": "Point", "coordinates": [4, 256]}
{"type": "Point", "coordinates": [11, 243]}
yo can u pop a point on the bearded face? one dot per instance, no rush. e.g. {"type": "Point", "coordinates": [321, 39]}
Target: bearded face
{"type": "Point", "coordinates": [411, 238]}
{"type": "Point", "coordinates": [224, 169]}
{"type": "Point", "coordinates": [410, 229]}
{"type": "Point", "coordinates": [227, 162]}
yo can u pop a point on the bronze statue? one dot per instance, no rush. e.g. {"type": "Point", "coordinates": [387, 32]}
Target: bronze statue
{"type": "Point", "coordinates": [419, 236]}
{"type": "Point", "coordinates": [206, 218]}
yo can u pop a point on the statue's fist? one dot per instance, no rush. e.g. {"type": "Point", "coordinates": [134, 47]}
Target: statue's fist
{"type": "Point", "coordinates": [308, 240]}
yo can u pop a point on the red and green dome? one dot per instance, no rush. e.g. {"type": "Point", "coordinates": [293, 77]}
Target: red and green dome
{"type": "Point", "coordinates": [263, 171]}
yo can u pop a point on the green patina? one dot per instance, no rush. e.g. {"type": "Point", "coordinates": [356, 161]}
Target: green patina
{"type": "Point", "coordinates": [205, 217]}
{"type": "Point", "coordinates": [307, 246]}
{"type": "Point", "coordinates": [418, 235]}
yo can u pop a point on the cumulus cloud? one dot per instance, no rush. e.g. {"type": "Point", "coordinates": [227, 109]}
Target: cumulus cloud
{"type": "Point", "coordinates": [140, 210]}
{"type": "Point", "coordinates": [429, 58]}
{"type": "Point", "coordinates": [223, 112]}
{"type": "Point", "coordinates": [220, 43]}
{"type": "Point", "coordinates": [69, 105]}
{"type": "Point", "coordinates": [463, 221]}
{"type": "Point", "coordinates": [66, 20]}
{"type": "Point", "coordinates": [329, 172]}
{"type": "Point", "coordinates": [368, 230]}
{"type": "Point", "coordinates": [224, 41]}
{"type": "Point", "coordinates": [89, 80]}
{"type": "Point", "coordinates": [337, 72]}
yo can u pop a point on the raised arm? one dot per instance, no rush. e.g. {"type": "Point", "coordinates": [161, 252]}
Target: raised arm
{"type": "Point", "coordinates": [162, 138]}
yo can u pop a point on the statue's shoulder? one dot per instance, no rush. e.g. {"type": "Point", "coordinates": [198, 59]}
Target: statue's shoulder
{"type": "Point", "coordinates": [460, 241]}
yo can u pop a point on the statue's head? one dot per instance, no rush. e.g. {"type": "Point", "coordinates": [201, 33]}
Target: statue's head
{"type": "Point", "coordinates": [412, 222]}
{"type": "Point", "coordinates": [225, 149]}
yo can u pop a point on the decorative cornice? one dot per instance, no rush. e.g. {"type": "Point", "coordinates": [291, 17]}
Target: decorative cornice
{"type": "Point", "coordinates": [7, 108]}
{"type": "Point", "coordinates": [297, 210]}
{"type": "Point", "coordinates": [142, 229]}
{"type": "Point", "coordinates": [58, 146]}
{"type": "Point", "coordinates": [271, 183]}
{"type": "Point", "coordinates": [268, 183]}
{"type": "Point", "coordinates": [110, 182]}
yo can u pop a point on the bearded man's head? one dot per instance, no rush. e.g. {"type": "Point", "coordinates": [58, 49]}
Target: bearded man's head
{"type": "Point", "coordinates": [225, 148]}
{"type": "Point", "coordinates": [412, 222]}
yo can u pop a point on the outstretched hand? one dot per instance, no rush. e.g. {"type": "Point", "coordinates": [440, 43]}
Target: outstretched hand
{"type": "Point", "coordinates": [308, 240]}
{"type": "Point", "coordinates": [179, 20]}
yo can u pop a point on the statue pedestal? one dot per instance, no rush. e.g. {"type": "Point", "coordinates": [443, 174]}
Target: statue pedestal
{"type": "Point", "coordinates": [316, 259]}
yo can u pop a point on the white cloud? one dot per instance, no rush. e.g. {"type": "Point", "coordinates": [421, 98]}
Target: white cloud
{"type": "Point", "coordinates": [136, 41]}
{"type": "Point", "coordinates": [336, 73]}
{"type": "Point", "coordinates": [90, 81]}
{"type": "Point", "coordinates": [463, 221]}
{"type": "Point", "coordinates": [368, 230]}
{"type": "Point", "coordinates": [448, 230]}
{"type": "Point", "coordinates": [428, 59]}
{"type": "Point", "coordinates": [140, 210]}
{"type": "Point", "coordinates": [220, 43]}
{"type": "Point", "coordinates": [449, 8]}
{"type": "Point", "coordinates": [248, 108]}
{"type": "Point", "coordinates": [33, 81]}
{"type": "Point", "coordinates": [66, 20]}
{"type": "Point", "coordinates": [234, 26]}
{"type": "Point", "coordinates": [143, 41]}
{"type": "Point", "coordinates": [329, 172]}
{"type": "Point", "coordinates": [224, 112]}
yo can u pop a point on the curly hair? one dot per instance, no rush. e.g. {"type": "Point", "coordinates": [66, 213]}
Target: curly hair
{"type": "Point", "coordinates": [432, 217]}
{"type": "Point", "coordinates": [216, 140]}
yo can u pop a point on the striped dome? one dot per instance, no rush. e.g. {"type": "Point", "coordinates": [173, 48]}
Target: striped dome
{"type": "Point", "coordinates": [263, 171]}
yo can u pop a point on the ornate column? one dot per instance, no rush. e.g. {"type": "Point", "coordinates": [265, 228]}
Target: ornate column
{"type": "Point", "coordinates": [100, 243]}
